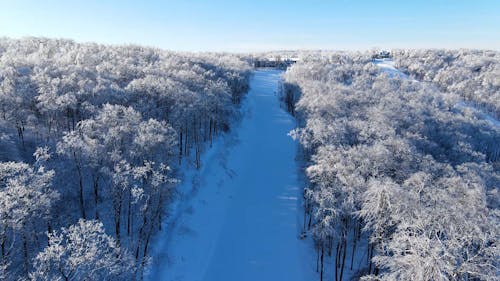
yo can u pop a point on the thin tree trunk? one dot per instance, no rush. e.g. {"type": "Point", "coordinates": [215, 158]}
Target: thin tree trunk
{"type": "Point", "coordinates": [305, 218]}
{"type": "Point", "coordinates": [330, 246]}
{"type": "Point", "coordinates": [196, 132]}
{"type": "Point", "coordinates": [21, 135]}
{"type": "Point", "coordinates": [186, 141]}
{"type": "Point", "coordinates": [96, 196]}
{"type": "Point", "coordinates": [141, 230]}
{"type": "Point", "coordinates": [49, 230]}
{"type": "Point", "coordinates": [159, 222]}
{"type": "Point", "coordinates": [353, 247]}
{"type": "Point", "coordinates": [80, 183]}
{"type": "Point", "coordinates": [73, 120]}
{"type": "Point", "coordinates": [337, 250]}
{"type": "Point", "coordinates": [343, 259]}
{"type": "Point", "coordinates": [118, 214]}
{"type": "Point", "coordinates": [3, 237]}
{"type": "Point", "coordinates": [146, 242]}
{"type": "Point", "coordinates": [129, 212]}
{"type": "Point", "coordinates": [139, 236]}
{"type": "Point", "coordinates": [317, 260]}
{"type": "Point", "coordinates": [370, 249]}
{"type": "Point", "coordinates": [180, 145]}
{"type": "Point", "coordinates": [211, 123]}
{"type": "Point", "coordinates": [322, 255]}
{"type": "Point", "coordinates": [25, 252]}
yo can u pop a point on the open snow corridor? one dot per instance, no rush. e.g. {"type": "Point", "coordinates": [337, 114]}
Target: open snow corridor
{"type": "Point", "coordinates": [239, 218]}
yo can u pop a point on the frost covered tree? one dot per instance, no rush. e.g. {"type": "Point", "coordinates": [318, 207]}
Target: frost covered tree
{"type": "Point", "coordinates": [82, 252]}
{"type": "Point", "coordinates": [393, 157]}
{"type": "Point", "coordinates": [121, 119]}
{"type": "Point", "coordinates": [26, 200]}
{"type": "Point", "coordinates": [471, 74]}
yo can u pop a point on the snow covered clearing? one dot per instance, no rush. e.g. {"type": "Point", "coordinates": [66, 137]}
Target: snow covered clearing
{"type": "Point", "coordinates": [388, 66]}
{"type": "Point", "coordinates": [240, 215]}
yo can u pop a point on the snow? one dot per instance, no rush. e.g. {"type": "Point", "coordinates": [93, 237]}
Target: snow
{"type": "Point", "coordinates": [388, 65]}
{"type": "Point", "coordinates": [239, 216]}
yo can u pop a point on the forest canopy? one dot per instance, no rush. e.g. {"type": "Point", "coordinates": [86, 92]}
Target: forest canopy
{"type": "Point", "coordinates": [409, 160]}
{"type": "Point", "coordinates": [90, 139]}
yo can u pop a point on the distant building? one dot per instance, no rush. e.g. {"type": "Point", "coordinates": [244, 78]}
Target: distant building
{"type": "Point", "coordinates": [382, 55]}
{"type": "Point", "coordinates": [277, 62]}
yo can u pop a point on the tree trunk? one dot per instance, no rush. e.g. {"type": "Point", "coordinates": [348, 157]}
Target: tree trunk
{"type": "Point", "coordinates": [210, 134]}
{"type": "Point", "coordinates": [305, 218]}
{"type": "Point", "coordinates": [322, 255]}
{"type": "Point", "coordinates": [370, 250]}
{"type": "Point", "coordinates": [317, 260]}
{"type": "Point", "coordinates": [21, 136]}
{"type": "Point", "coordinates": [80, 182]}
{"type": "Point", "coordinates": [118, 214]}
{"type": "Point", "coordinates": [142, 229]}
{"type": "Point", "coordinates": [49, 230]}
{"type": "Point", "coordinates": [73, 121]}
{"type": "Point", "coordinates": [343, 259]}
{"type": "Point", "coordinates": [129, 213]}
{"type": "Point", "coordinates": [139, 236]}
{"type": "Point", "coordinates": [3, 238]}
{"type": "Point", "coordinates": [330, 246]}
{"type": "Point", "coordinates": [196, 135]}
{"type": "Point", "coordinates": [186, 141]}
{"type": "Point", "coordinates": [159, 221]}
{"type": "Point", "coordinates": [354, 242]}
{"type": "Point", "coordinates": [25, 252]}
{"type": "Point", "coordinates": [180, 145]}
{"type": "Point", "coordinates": [148, 238]}
{"type": "Point", "coordinates": [96, 196]}
{"type": "Point", "coordinates": [337, 250]}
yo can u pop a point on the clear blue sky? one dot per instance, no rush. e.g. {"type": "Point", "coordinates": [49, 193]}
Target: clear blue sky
{"type": "Point", "coordinates": [233, 25]}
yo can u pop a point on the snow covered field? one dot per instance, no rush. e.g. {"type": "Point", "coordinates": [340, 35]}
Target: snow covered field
{"type": "Point", "coordinates": [239, 218]}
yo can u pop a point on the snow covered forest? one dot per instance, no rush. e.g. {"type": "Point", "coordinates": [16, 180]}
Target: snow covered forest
{"type": "Point", "coordinates": [473, 75]}
{"type": "Point", "coordinates": [403, 166]}
{"type": "Point", "coordinates": [90, 140]}
{"type": "Point", "coordinates": [394, 174]}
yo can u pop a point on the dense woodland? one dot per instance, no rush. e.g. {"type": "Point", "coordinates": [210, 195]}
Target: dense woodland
{"type": "Point", "coordinates": [395, 168]}
{"type": "Point", "coordinates": [90, 140]}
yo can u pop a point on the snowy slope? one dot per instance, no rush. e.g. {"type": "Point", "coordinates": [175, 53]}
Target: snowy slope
{"type": "Point", "coordinates": [243, 222]}
{"type": "Point", "coordinates": [483, 115]}
{"type": "Point", "coordinates": [388, 65]}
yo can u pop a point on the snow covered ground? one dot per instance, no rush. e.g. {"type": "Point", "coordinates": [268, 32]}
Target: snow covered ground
{"type": "Point", "coordinates": [239, 217]}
